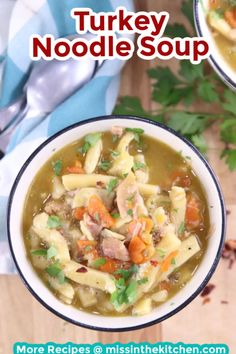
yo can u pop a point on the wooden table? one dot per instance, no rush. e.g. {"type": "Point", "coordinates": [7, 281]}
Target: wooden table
{"type": "Point", "coordinates": [22, 318]}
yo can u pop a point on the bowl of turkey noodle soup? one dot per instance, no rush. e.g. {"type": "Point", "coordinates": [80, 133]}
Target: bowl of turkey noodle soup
{"type": "Point", "coordinates": [215, 20]}
{"type": "Point", "coordinates": [116, 217]}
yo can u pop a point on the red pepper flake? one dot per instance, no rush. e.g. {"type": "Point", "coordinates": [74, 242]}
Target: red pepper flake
{"type": "Point", "coordinates": [82, 270]}
{"type": "Point", "coordinates": [228, 212]}
{"type": "Point", "coordinates": [154, 263]}
{"type": "Point", "coordinates": [207, 290]}
{"type": "Point", "coordinates": [224, 302]}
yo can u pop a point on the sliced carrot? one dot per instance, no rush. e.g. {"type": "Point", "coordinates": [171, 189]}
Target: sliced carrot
{"type": "Point", "coordinates": [146, 222]}
{"type": "Point", "coordinates": [77, 168]}
{"type": "Point", "coordinates": [165, 265]}
{"type": "Point", "coordinates": [98, 210]}
{"type": "Point", "coordinates": [181, 178]}
{"type": "Point", "coordinates": [74, 169]}
{"type": "Point", "coordinates": [85, 243]}
{"type": "Point", "coordinates": [193, 212]}
{"type": "Point", "coordinates": [136, 249]}
{"type": "Point", "coordinates": [230, 16]}
{"type": "Point", "coordinates": [110, 266]}
{"type": "Point", "coordinates": [79, 213]}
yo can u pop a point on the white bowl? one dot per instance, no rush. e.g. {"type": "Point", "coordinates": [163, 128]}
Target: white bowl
{"type": "Point", "coordinates": [106, 323]}
{"type": "Point", "coordinates": [216, 59]}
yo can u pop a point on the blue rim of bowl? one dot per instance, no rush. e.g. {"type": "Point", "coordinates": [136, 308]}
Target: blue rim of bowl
{"type": "Point", "coordinates": [186, 302]}
{"type": "Point", "coordinates": [227, 80]}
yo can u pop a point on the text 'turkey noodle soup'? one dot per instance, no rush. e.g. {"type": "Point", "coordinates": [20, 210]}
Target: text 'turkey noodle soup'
{"type": "Point", "coordinates": [116, 223]}
{"type": "Point", "coordinates": [222, 20]}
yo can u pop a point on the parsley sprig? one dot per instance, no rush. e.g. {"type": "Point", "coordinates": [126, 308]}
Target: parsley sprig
{"type": "Point", "coordinates": [180, 95]}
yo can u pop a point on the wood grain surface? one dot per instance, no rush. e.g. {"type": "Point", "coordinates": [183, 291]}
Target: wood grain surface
{"type": "Point", "coordinates": [22, 318]}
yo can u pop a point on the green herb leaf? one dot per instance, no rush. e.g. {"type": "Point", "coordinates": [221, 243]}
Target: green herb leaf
{"type": "Point", "coordinates": [85, 148]}
{"type": "Point", "coordinates": [137, 133]}
{"type": "Point", "coordinates": [161, 252]}
{"type": "Point", "coordinates": [54, 222]}
{"type": "Point", "coordinates": [139, 166]}
{"type": "Point", "coordinates": [130, 212]}
{"type": "Point", "coordinates": [57, 167]}
{"type": "Point", "coordinates": [127, 273]}
{"type": "Point", "coordinates": [40, 252]}
{"type": "Point", "coordinates": [176, 30]}
{"type": "Point", "coordinates": [230, 158]}
{"type": "Point", "coordinates": [188, 123]}
{"type": "Point", "coordinates": [97, 216]}
{"type": "Point", "coordinates": [115, 215]}
{"type": "Point", "coordinates": [51, 252]}
{"type": "Point", "coordinates": [112, 185]}
{"type": "Point", "coordinates": [114, 153]}
{"type": "Point", "coordinates": [131, 291]}
{"type": "Point", "coordinates": [181, 228]}
{"type": "Point", "coordinates": [99, 262]}
{"type": "Point", "coordinates": [130, 106]}
{"type": "Point", "coordinates": [173, 261]}
{"type": "Point", "coordinates": [53, 269]}
{"type": "Point", "coordinates": [104, 165]}
{"type": "Point", "coordinates": [228, 131]}
{"type": "Point", "coordinates": [207, 91]}
{"type": "Point", "coordinates": [92, 139]}
{"type": "Point", "coordinates": [200, 142]}
{"type": "Point", "coordinates": [230, 102]}
{"type": "Point", "coordinates": [187, 10]}
{"type": "Point", "coordinates": [61, 277]}
{"type": "Point", "coordinates": [143, 281]}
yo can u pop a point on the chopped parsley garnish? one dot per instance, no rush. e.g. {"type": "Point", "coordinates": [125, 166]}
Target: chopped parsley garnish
{"type": "Point", "coordinates": [126, 288]}
{"type": "Point", "coordinates": [54, 222]}
{"type": "Point", "coordinates": [104, 165]}
{"type": "Point", "coordinates": [112, 185]}
{"type": "Point", "coordinates": [161, 252]}
{"type": "Point", "coordinates": [51, 252]}
{"type": "Point", "coordinates": [173, 261]}
{"type": "Point", "coordinates": [57, 167]}
{"type": "Point", "coordinates": [130, 212]}
{"type": "Point", "coordinates": [55, 271]}
{"type": "Point", "coordinates": [83, 149]}
{"type": "Point", "coordinates": [127, 273]}
{"type": "Point", "coordinates": [96, 216]}
{"type": "Point", "coordinates": [137, 133]}
{"type": "Point", "coordinates": [114, 153]}
{"type": "Point", "coordinates": [125, 293]}
{"type": "Point", "coordinates": [115, 215]}
{"type": "Point", "coordinates": [61, 277]}
{"type": "Point", "coordinates": [131, 291]}
{"type": "Point", "coordinates": [138, 166]}
{"type": "Point", "coordinates": [40, 252]}
{"type": "Point", "coordinates": [175, 210]}
{"type": "Point", "coordinates": [99, 262]}
{"type": "Point", "coordinates": [90, 141]}
{"type": "Point", "coordinates": [130, 198]}
{"type": "Point", "coordinates": [142, 281]}
{"type": "Point", "coordinates": [181, 228]}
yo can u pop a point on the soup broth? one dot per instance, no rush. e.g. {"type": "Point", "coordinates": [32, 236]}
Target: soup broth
{"type": "Point", "coordinates": [116, 223]}
{"type": "Point", "coordinates": [222, 20]}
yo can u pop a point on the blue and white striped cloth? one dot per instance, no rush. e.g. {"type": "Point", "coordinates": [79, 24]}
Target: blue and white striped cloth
{"type": "Point", "coordinates": [18, 20]}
